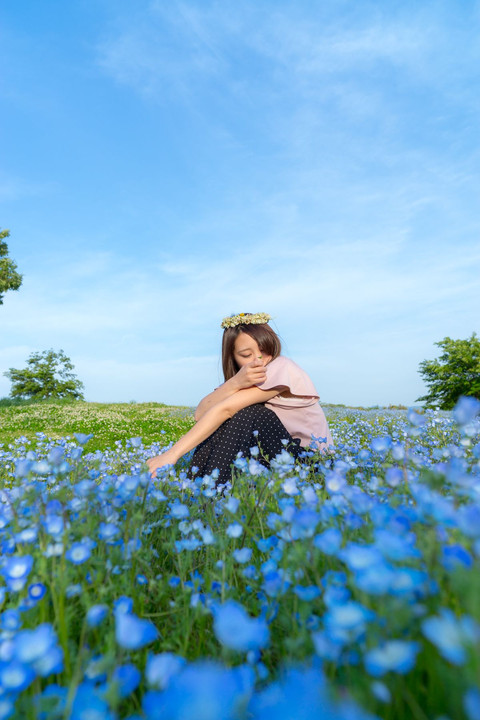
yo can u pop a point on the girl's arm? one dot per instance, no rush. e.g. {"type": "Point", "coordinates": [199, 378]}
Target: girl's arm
{"type": "Point", "coordinates": [251, 374]}
{"type": "Point", "coordinates": [209, 422]}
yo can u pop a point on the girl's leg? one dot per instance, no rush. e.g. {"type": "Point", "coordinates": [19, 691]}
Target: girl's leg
{"type": "Point", "coordinates": [237, 435]}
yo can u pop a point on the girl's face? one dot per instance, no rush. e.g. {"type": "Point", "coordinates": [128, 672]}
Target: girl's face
{"type": "Point", "coordinates": [246, 350]}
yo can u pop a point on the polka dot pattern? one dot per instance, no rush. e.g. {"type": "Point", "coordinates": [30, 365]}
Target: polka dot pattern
{"type": "Point", "coordinates": [237, 435]}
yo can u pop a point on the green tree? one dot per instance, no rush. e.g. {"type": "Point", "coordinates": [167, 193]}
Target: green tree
{"type": "Point", "coordinates": [48, 374]}
{"type": "Point", "coordinates": [456, 372]}
{"type": "Point", "coordinates": [10, 279]}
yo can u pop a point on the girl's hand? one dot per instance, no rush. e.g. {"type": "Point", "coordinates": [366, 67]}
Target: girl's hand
{"type": "Point", "coordinates": [159, 461]}
{"type": "Point", "coordinates": [251, 374]}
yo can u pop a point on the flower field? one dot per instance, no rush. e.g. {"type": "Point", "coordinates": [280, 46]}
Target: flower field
{"type": "Point", "coordinates": [338, 590]}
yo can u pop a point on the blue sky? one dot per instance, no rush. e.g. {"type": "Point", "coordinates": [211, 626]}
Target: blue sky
{"type": "Point", "coordinates": [165, 164]}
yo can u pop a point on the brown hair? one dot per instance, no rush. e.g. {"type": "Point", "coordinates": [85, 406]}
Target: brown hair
{"type": "Point", "coordinates": [266, 338]}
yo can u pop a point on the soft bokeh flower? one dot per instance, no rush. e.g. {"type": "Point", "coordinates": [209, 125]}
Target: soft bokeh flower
{"type": "Point", "coordinates": [235, 629]}
{"type": "Point", "coordinates": [132, 632]}
{"type": "Point", "coordinates": [393, 656]}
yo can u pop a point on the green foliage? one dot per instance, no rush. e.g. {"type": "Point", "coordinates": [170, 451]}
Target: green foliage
{"type": "Point", "coordinates": [10, 279]}
{"type": "Point", "coordinates": [456, 372]}
{"type": "Point", "coordinates": [48, 374]}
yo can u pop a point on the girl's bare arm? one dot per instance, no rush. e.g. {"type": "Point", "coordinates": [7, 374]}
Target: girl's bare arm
{"type": "Point", "coordinates": [249, 375]}
{"type": "Point", "coordinates": [209, 422]}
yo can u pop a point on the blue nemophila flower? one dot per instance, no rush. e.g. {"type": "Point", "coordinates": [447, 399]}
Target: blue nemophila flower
{"type": "Point", "coordinates": [242, 555]}
{"type": "Point", "coordinates": [381, 691]}
{"type": "Point", "coordinates": [202, 690]}
{"type": "Point", "coordinates": [54, 525]}
{"type": "Point", "coordinates": [79, 552]}
{"type": "Point", "coordinates": [329, 541]}
{"type": "Point", "coordinates": [89, 704]}
{"type": "Point", "coordinates": [27, 536]}
{"type": "Point", "coordinates": [347, 622]}
{"type": "Point", "coordinates": [10, 619]}
{"type": "Point", "coordinates": [232, 504]}
{"type": "Point", "coordinates": [454, 556]}
{"type": "Point", "coordinates": [132, 632]}
{"type": "Point", "coordinates": [82, 438]}
{"type": "Point", "coordinates": [394, 476]}
{"type": "Point", "coordinates": [466, 410]}
{"type": "Point", "coordinates": [360, 557]}
{"type": "Point", "coordinates": [23, 467]}
{"type": "Point", "coordinates": [96, 614]}
{"type": "Point", "coordinates": [307, 593]}
{"type": "Point", "coordinates": [36, 591]}
{"type": "Point", "coordinates": [16, 570]}
{"type": "Point", "coordinates": [236, 630]}
{"type": "Point", "coordinates": [394, 656]}
{"type": "Point", "coordinates": [451, 635]}
{"type": "Point", "coordinates": [50, 703]}
{"type": "Point", "coordinates": [123, 605]}
{"type": "Point", "coordinates": [179, 511]}
{"type": "Point", "coordinates": [161, 668]}
{"type": "Point", "coordinates": [382, 444]}
{"type": "Point", "coordinates": [234, 530]}
{"type": "Point", "coordinates": [108, 531]}
{"type": "Point", "coordinates": [39, 649]}
{"type": "Point", "coordinates": [301, 693]}
{"type": "Point", "coordinates": [127, 679]}
{"type": "Point", "coordinates": [15, 676]}
{"type": "Point", "coordinates": [471, 703]}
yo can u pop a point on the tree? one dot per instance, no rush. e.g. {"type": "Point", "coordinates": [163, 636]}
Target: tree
{"type": "Point", "coordinates": [48, 375]}
{"type": "Point", "coordinates": [456, 372]}
{"type": "Point", "coordinates": [10, 279]}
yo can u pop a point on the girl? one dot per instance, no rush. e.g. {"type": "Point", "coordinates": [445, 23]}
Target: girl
{"type": "Point", "coordinates": [266, 399]}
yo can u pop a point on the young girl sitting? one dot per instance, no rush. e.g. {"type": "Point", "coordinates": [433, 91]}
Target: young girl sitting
{"type": "Point", "coordinates": [266, 399]}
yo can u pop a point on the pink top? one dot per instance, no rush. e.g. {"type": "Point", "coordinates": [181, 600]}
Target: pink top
{"type": "Point", "coordinates": [297, 406]}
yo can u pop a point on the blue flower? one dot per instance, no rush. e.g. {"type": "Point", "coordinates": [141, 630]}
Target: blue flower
{"type": "Point", "coordinates": [179, 511]}
{"type": "Point", "coordinates": [242, 555]}
{"type": "Point", "coordinates": [451, 635]}
{"type": "Point", "coordinates": [54, 525]}
{"type": "Point", "coordinates": [236, 630]}
{"type": "Point", "coordinates": [394, 656]}
{"type": "Point", "coordinates": [466, 410]}
{"type": "Point", "coordinates": [96, 614]}
{"type": "Point", "coordinates": [204, 691]}
{"type": "Point", "coordinates": [10, 619]}
{"type": "Point", "coordinates": [82, 438]}
{"type": "Point", "coordinates": [39, 649]}
{"type": "Point", "coordinates": [471, 703]}
{"type": "Point", "coordinates": [132, 632]}
{"type": "Point", "coordinates": [454, 556]}
{"type": "Point", "coordinates": [329, 542]}
{"type": "Point", "coordinates": [79, 552]}
{"type": "Point", "coordinates": [89, 703]}
{"type": "Point", "coordinates": [127, 678]}
{"type": "Point", "coordinates": [36, 591]}
{"type": "Point", "coordinates": [16, 569]}
{"type": "Point", "coordinates": [161, 668]}
{"type": "Point", "coordinates": [108, 531]}
{"type": "Point", "coordinates": [307, 593]}
{"type": "Point", "coordinates": [15, 676]}
{"type": "Point", "coordinates": [234, 530]}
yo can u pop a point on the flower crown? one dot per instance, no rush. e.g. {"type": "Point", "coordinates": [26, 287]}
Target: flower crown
{"type": "Point", "coordinates": [245, 319]}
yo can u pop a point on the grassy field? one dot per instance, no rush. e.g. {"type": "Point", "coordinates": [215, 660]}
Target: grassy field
{"type": "Point", "coordinates": [109, 423]}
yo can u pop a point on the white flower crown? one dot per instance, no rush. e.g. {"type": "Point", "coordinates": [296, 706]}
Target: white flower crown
{"type": "Point", "coordinates": [245, 319]}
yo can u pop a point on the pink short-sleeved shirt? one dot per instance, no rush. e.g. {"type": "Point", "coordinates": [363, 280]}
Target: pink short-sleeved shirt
{"type": "Point", "coordinates": [297, 404]}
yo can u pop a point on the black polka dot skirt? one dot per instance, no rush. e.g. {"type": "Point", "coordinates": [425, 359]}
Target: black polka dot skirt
{"type": "Point", "coordinates": [254, 426]}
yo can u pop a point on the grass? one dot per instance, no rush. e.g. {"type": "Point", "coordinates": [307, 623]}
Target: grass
{"type": "Point", "coordinates": [108, 422]}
